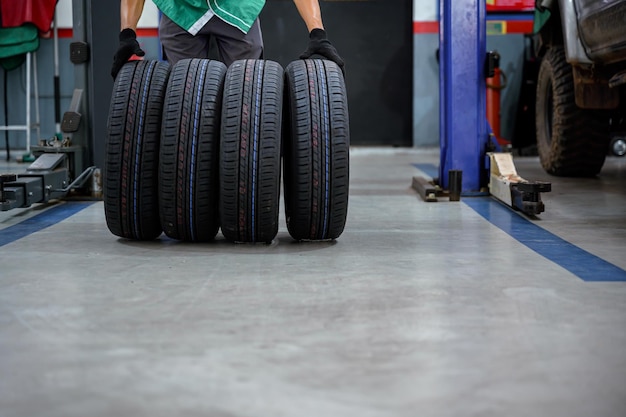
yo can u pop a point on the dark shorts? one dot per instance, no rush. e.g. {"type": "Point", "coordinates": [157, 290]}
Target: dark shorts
{"type": "Point", "coordinates": [232, 44]}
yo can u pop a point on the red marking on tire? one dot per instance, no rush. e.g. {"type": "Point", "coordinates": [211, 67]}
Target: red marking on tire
{"type": "Point", "coordinates": [127, 141]}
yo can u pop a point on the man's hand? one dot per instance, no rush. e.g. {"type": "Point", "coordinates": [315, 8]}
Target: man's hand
{"type": "Point", "coordinates": [320, 45]}
{"type": "Point", "coordinates": [128, 47]}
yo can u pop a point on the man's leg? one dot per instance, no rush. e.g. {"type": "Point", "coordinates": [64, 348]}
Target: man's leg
{"type": "Point", "coordinates": [179, 44]}
{"type": "Point", "coordinates": [233, 44]}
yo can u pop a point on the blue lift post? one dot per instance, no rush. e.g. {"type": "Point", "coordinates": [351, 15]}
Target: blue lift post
{"type": "Point", "coordinates": [464, 132]}
{"type": "Point", "coordinates": [462, 112]}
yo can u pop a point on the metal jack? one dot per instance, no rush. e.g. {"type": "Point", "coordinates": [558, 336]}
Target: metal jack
{"type": "Point", "coordinates": [45, 179]}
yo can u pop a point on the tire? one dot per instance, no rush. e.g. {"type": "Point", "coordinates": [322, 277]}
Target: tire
{"type": "Point", "coordinates": [188, 174]}
{"type": "Point", "coordinates": [250, 151]}
{"type": "Point", "coordinates": [571, 141]}
{"type": "Point", "coordinates": [317, 150]}
{"type": "Point", "coordinates": [132, 149]}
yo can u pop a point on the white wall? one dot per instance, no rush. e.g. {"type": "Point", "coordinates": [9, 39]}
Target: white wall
{"type": "Point", "coordinates": [425, 10]}
{"type": "Point", "coordinates": [149, 18]}
{"type": "Point", "coordinates": [425, 77]}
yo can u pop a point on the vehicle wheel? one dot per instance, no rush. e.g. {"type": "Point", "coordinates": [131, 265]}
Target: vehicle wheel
{"type": "Point", "coordinates": [317, 150]}
{"type": "Point", "coordinates": [132, 149]}
{"type": "Point", "coordinates": [250, 151]}
{"type": "Point", "coordinates": [571, 141]}
{"type": "Point", "coordinates": [188, 174]}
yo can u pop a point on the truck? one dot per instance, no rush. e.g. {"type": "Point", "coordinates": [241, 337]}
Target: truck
{"type": "Point", "coordinates": [580, 106]}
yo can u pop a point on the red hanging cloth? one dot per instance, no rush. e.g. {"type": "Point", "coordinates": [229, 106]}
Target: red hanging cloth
{"type": "Point", "coordinates": [17, 12]}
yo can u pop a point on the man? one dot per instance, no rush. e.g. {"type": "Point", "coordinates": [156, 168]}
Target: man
{"type": "Point", "coordinates": [187, 25]}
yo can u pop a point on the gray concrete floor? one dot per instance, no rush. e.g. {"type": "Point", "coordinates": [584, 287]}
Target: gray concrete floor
{"type": "Point", "coordinates": [418, 309]}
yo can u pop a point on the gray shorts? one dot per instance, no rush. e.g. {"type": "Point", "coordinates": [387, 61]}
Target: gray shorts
{"type": "Point", "coordinates": [232, 44]}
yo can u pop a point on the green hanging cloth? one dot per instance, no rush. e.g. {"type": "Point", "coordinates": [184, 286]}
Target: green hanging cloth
{"type": "Point", "coordinates": [15, 43]}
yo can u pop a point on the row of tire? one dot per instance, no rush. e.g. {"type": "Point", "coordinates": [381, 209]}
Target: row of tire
{"type": "Point", "coordinates": [197, 147]}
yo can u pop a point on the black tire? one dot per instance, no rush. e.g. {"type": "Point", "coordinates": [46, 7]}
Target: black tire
{"type": "Point", "coordinates": [571, 141]}
{"type": "Point", "coordinates": [250, 151]}
{"type": "Point", "coordinates": [317, 150]}
{"type": "Point", "coordinates": [188, 175]}
{"type": "Point", "coordinates": [132, 150]}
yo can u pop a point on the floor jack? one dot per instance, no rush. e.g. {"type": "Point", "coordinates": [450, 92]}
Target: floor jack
{"type": "Point", "coordinates": [47, 178]}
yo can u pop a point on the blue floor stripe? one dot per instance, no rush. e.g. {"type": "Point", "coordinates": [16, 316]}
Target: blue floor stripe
{"type": "Point", "coordinates": [429, 169]}
{"type": "Point", "coordinates": [41, 221]}
{"type": "Point", "coordinates": [579, 262]}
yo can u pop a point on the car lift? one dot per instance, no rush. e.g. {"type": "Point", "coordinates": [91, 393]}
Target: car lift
{"type": "Point", "coordinates": [465, 143]}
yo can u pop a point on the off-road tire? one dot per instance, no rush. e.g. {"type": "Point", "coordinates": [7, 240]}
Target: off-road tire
{"type": "Point", "coordinates": [571, 141]}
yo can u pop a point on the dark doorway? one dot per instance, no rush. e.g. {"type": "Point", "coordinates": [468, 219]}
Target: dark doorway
{"type": "Point", "coordinates": [375, 38]}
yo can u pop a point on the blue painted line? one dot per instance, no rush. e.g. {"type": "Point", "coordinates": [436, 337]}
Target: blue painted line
{"type": "Point", "coordinates": [428, 169]}
{"type": "Point", "coordinates": [579, 262]}
{"type": "Point", "coordinates": [519, 16]}
{"type": "Point", "coordinates": [41, 221]}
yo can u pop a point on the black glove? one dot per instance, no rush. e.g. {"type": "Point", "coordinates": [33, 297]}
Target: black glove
{"type": "Point", "coordinates": [128, 47]}
{"type": "Point", "coordinates": [320, 45]}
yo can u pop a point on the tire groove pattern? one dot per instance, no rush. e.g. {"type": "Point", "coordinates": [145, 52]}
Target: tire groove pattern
{"type": "Point", "coordinates": [316, 150]}
{"type": "Point", "coordinates": [189, 150]}
{"type": "Point", "coordinates": [250, 151]}
{"type": "Point", "coordinates": [131, 150]}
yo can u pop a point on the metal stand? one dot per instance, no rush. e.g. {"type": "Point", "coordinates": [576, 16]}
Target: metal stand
{"type": "Point", "coordinates": [31, 74]}
{"type": "Point", "coordinates": [96, 24]}
{"type": "Point", "coordinates": [464, 134]}
{"type": "Point", "coordinates": [462, 112]}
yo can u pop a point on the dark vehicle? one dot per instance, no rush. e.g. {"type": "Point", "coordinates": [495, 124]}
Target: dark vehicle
{"type": "Point", "coordinates": [581, 87]}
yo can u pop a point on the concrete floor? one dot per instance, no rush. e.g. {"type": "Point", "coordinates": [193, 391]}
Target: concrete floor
{"type": "Point", "coordinates": [418, 309]}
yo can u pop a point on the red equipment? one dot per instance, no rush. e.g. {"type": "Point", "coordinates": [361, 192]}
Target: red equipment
{"type": "Point", "coordinates": [495, 84]}
{"type": "Point", "coordinates": [510, 5]}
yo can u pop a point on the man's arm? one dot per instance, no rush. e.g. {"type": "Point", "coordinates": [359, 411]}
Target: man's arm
{"type": "Point", "coordinates": [318, 42]}
{"type": "Point", "coordinates": [130, 12]}
{"type": "Point", "coordinates": [310, 12]}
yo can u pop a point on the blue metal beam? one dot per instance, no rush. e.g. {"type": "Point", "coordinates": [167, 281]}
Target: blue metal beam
{"type": "Point", "coordinates": [462, 115]}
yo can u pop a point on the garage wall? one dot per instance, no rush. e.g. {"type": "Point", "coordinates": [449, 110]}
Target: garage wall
{"type": "Point", "coordinates": [423, 127]}
{"type": "Point", "coordinates": [425, 73]}
{"type": "Point", "coordinates": [374, 37]}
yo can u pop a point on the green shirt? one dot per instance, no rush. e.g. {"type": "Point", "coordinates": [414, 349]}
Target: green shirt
{"type": "Point", "coordinates": [192, 15]}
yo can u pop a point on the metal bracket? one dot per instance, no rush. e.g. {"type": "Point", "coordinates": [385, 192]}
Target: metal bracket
{"type": "Point", "coordinates": [5, 178]}
{"type": "Point", "coordinates": [428, 190]}
{"type": "Point", "coordinates": [526, 196]}
{"type": "Point", "coordinates": [71, 118]}
{"type": "Point", "coordinates": [431, 191]}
